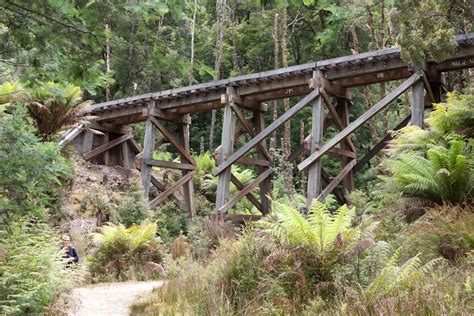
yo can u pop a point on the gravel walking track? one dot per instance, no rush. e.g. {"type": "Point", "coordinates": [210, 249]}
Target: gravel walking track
{"type": "Point", "coordinates": [109, 299]}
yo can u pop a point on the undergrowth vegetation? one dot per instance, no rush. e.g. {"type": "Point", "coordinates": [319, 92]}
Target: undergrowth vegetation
{"type": "Point", "coordinates": [121, 253]}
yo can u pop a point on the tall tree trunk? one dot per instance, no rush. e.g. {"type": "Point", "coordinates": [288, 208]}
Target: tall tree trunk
{"type": "Point", "coordinates": [276, 54]}
{"type": "Point", "coordinates": [287, 167]}
{"type": "Point", "coordinates": [193, 30]}
{"type": "Point", "coordinates": [220, 9]}
{"type": "Point", "coordinates": [107, 61]}
{"type": "Point", "coordinates": [382, 46]}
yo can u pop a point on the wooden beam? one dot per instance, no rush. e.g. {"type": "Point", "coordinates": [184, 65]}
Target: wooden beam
{"type": "Point", "coordinates": [314, 172]}
{"type": "Point", "coordinates": [360, 120]}
{"type": "Point", "coordinates": [227, 147]}
{"type": "Point", "coordinates": [267, 131]}
{"type": "Point", "coordinates": [249, 196]}
{"type": "Point", "coordinates": [266, 184]}
{"type": "Point", "coordinates": [333, 184]}
{"type": "Point", "coordinates": [188, 187]}
{"type": "Point", "coordinates": [242, 217]}
{"type": "Point", "coordinates": [337, 118]}
{"type": "Point", "coordinates": [253, 162]}
{"type": "Point", "coordinates": [248, 128]}
{"type": "Point", "coordinates": [148, 148]}
{"type": "Point", "coordinates": [249, 188]}
{"type": "Point", "coordinates": [343, 111]}
{"type": "Point", "coordinates": [327, 178]}
{"type": "Point", "coordinates": [125, 155]}
{"type": "Point", "coordinates": [169, 164]}
{"type": "Point", "coordinates": [175, 186]}
{"type": "Point", "coordinates": [106, 146]}
{"type": "Point", "coordinates": [87, 141]}
{"type": "Point", "coordinates": [418, 104]}
{"type": "Point", "coordinates": [173, 140]}
{"type": "Point", "coordinates": [379, 146]}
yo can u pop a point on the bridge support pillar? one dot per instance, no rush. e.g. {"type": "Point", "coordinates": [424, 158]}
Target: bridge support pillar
{"type": "Point", "coordinates": [226, 149]}
{"type": "Point", "coordinates": [418, 104]}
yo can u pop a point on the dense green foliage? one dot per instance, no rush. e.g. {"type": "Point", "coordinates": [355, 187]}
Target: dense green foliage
{"type": "Point", "coordinates": [31, 172]}
{"type": "Point", "coordinates": [126, 253]}
{"type": "Point", "coordinates": [436, 163]}
{"type": "Point", "coordinates": [32, 269]}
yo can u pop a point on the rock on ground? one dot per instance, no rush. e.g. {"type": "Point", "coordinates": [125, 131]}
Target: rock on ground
{"type": "Point", "coordinates": [111, 299]}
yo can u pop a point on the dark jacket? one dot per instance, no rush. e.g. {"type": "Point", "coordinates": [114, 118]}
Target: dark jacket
{"type": "Point", "coordinates": [71, 253]}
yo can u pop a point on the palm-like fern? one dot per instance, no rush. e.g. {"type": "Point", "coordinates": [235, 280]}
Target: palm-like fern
{"type": "Point", "coordinates": [53, 106]}
{"type": "Point", "coordinates": [445, 175]}
{"type": "Point", "coordinates": [394, 276]}
{"type": "Point", "coordinates": [318, 231]}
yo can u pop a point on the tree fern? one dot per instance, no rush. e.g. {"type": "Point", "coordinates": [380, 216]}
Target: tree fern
{"type": "Point", "coordinates": [318, 231]}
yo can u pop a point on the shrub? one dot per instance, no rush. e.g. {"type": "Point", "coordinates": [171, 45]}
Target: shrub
{"type": "Point", "coordinates": [126, 253]}
{"type": "Point", "coordinates": [31, 172]}
{"type": "Point", "coordinates": [132, 209]}
{"type": "Point", "coordinates": [32, 269]}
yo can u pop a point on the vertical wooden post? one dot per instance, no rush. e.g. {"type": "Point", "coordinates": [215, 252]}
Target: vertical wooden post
{"type": "Point", "coordinates": [148, 148]}
{"type": "Point", "coordinates": [87, 142]}
{"type": "Point", "coordinates": [125, 155]}
{"type": "Point", "coordinates": [266, 185]}
{"type": "Point", "coordinates": [227, 147]}
{"type": "Point", "coordinates": [418, 104]}
{"type": "Point", "coordinates": [314, 172]}
{"type": "Point", "coordinates": [188, 188]}
{"type": "Point", "coordinates": [106, 153]}
{"type": "Point", "coordinates": [343, 110]}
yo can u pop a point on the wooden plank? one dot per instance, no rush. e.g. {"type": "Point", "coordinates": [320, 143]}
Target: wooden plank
{"type": "Point", "coordinates": [106, 152]}
{"type": "Point", "coordinates": [175, 186]}
{"type": "Point", "coordinates": [253, 162]}
{"type": "Point", "coordinates": [249, 129]}
{"type": "Point", "coordinates": [227, 147]}
{"type": "Point", "coordinates": [249, 196]}
{"type": "Point", "coordinates": [428, 89]}
{"type": "Point", "coordinates": [267, 131]}
{"type": "Point", "coordinates": [105, 147]}
{"type": "Point", "coordinates": [173, 140]}
{"type": "Point", "coordinates": [169, 164]}
{"type": "Point", "coordinates": [379, 146]}
{"type": "Point", "coordinates": [314, 172]}
{"type": "Point", "coordinates": [337, 119]}
{"type": "Point", "coordinates": [242, 217]}
{"type": "Point", "coordinates": [360, 120]}
{"type": "Point", "coordinates": [266, 184]}
{"type": "Point", "coordinates": [249, 188]}
{"type": "Point", "coordinates": [333, 184]}
{"type": "Point", "coordinates": [125, 155]}
{"type": "Point", "coordinates": [343, 111]}
{"type": "Point", "coordinates": [87, 140]}
{"type": "Point", "coordinates": [337, 193]}
{"type": "Point", "coordinates": [188, 187]}
{"type": "Point", "coordinates": [418, 104]}
{"type": "Point", "coordinates": [382, 75]}
{"type": "Point", "coordinates": [149, 142]}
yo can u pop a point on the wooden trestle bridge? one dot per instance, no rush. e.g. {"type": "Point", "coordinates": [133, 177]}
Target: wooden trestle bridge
{"type": "Point", "coordinates": [325, 85]}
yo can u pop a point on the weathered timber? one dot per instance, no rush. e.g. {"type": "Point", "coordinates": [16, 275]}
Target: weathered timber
{"type": "Point", "coordinates": [343, 111]}
{"type": "Point", "coordinates": [249, 196]}
{"type": "Point", "coordinates": [227, 147]}
{"type": "Point", "coordinates": [248, 128]}
{"type": "Point", "coordinates": [87, 141]}
{"type": "Point", "coordinates": [418, 104]}
{"type": "Point", "coordinates": [333, 184]}
{"type": "Point", "coordinates": [105, 147]}
{"type": "Point", "coordinates": [253, 162]}
{"type": "Point", "coordinates": [314, 172]}
{"type": "Point", "coordinates": [169, 164]}
{"type": "Point", "coordinates": [360, 120]}
{"type": "Point", "coordinates": [173, 140]}
{"type": "Point", "coordinates": [379, 146]}
{"type": "Point", "coordinates": [249, 188]}
{"type": "Point", "coordinates": [188, 187]}
{"type": "Point", "coordinates": [148, 145]}
{"type": "Point", "coordinates": [174, 187]}
{"type": "Point", "coordinates": [266, 184]}
{"type": "Point", "coordinates": [242, 217]}
{"type": "Point", "coordinates": [267, 131]}
{"type": "Point", "coordinates": [125, 155]}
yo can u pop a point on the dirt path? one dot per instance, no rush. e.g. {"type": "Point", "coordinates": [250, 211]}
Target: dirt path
{"type": "Point", "coordinates": [111, 299]}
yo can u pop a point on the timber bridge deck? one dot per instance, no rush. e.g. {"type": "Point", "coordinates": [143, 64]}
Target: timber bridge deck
{"type": "Point", "coordinates": [324, 84]}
